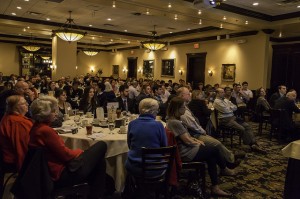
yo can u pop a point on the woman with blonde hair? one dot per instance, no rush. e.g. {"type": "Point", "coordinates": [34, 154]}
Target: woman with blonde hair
{"type": "Point", "coordinates": [14, 131]}
{"type": "Point", "coordinates": [67, 167]}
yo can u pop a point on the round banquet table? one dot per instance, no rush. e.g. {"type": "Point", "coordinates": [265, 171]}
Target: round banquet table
{"type": "Point", "coordinates": [116, 148]}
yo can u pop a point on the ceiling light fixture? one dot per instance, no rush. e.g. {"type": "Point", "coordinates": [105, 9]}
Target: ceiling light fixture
{"type": "Point", "coordinates": [19, 7]}
{"type": "Point", "coordinates": [66, 32]}
{"type": "Point", "coordinates": [255, 4]}
{"type": "Point", "coordinates": [147, 12]}
{"type": "Point", "coordinates": [30, 45]}
{"type": "Point", "coordinates": [224, 18]}
{"type": "Point", "coordinates": [246, 22]}
{"type": "Point", "coordinates": [153, 44]}
{"type": "Point", "coordinates": [221, 26]}
{"type": "Point", "coordinates": [13, 14]}
{"type": "Point", "coordinates": [90, 51]}
{"type": "Point", "coordinates": [176, 17]}
{"type": "Point", "coordinates": [199, 12]}
{"type": "Point", "coordinates": [169, 5]}
{"type": "Point", "coordinates": [200, 21]}
{"type": "Point", "coordinates": [114, 4]}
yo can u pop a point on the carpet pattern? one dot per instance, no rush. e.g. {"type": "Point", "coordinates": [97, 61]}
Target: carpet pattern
{"type": "Point", "coordinates": [259, 176]}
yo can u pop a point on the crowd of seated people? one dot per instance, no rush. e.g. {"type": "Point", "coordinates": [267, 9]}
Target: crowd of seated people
{"type": "Point", "coordinates": [188, 123]}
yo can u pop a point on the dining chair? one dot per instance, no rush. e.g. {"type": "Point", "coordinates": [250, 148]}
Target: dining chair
{"type": "Point", "coordinates": [225, 131]}
{"type": "Point", "coordinates": [263, 117]}
{"type": "Point", "coordinates": [34, 181]}
{"type": "Point", "coordinates": [5, 169]}
{"type": "Point", "coordinates": [156, 165]}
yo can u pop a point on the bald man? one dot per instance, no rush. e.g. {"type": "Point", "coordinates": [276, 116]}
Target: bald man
{"type": "Point", "coordinates": [288, 104]}
{"type": "Point", "coordinates": [21, 88]}
{"type": "Point", "coordinates": [226, 118]}
{"type": "Point", "coordinates": [196, 130]}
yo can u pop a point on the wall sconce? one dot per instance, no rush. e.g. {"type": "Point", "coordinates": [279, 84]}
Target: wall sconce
{"type": "Point", "coordinates": [140, 70]}
{"type": "Point", "coordinates": [124, 70]}
{"type": "Point", "coordinates": [53, 67]}
{"type": "Point", "coordinates": [180, 71]}
{"type": "Point", "coordinates": [92, 69]}
{"type": "Point", "coordinates": [210, 73]}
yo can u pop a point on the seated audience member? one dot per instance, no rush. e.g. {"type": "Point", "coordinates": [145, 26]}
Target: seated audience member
{"type": "Point", "coordinates": [133, 92]}
{"type": "Point", "coordinates": [275, 96]}
{"type": "Point", "coordinates": [241, 99]}
{"type": "Point", "coordinates": [88, 102]}
{"type": "Point", "coordinates": [8, 86]}
{"type": "Point", "coordinates": [14, 131]}
{"type": "Point", "coordinates": [192, 149]}
{"type": "Point", "coordinates": [287, 103]}
{"type": "Point", "coordinates": [125, 103]}
{"type": "Point", "coordinates": [145, 93]}
{"type": "Point", "coordinates": [165, 94]}
{"type": "Point", "coordinates": [109, 94]}
{"type": "Point", "coordinates": [63, 106]}
{"type": "Point", "coordinates": [199, 108]}
{"type": "Point", "coordinates": [144, 132]}
{"type": "Point", "coordinates": [226, 118]}
{"type": "Point", "coordinates": [227, 95]}
{"type": "Point", "coordinates": [196, 130]}
{"type": "Point", "coordinates": [261, 100]}
{"type": "Point", "coordinates": [74, 93]}
{"type": "Point", "coordinates": [66, 166]}
{"type": "Point", "coordinates": [100, 95]}
{"type": "Point", "coordinates": [157, 91]}
{"type": "Point", "coordinates": [21, 88]}
{"type": "Point", "coordinates": [247, 92]}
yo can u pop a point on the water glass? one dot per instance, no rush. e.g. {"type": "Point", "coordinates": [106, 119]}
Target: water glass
{"type": "Point", "coordinates": [111, 127]}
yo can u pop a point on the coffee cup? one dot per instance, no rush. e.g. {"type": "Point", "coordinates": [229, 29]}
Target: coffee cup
{"type": "Point", "coordinates": [123, 130]}
{"type": "Point", "coordinates": [88, 114]}
{"type": "Point", "coordinates": [89, 129]}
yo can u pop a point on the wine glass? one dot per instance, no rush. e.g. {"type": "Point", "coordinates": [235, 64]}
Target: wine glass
{"type": "Point", "coordinates": [111, 127]}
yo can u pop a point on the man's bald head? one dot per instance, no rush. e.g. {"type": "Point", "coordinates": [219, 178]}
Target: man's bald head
{"type": "Point", "coordinates": [184, 93]}
{"type": "Point", "coordinates": [220, 92]}
{"type": "Point", "coordinates": [21, 88]}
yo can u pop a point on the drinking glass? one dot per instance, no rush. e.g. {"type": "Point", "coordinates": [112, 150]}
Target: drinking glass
{"type": "Point", "coordinates": [111, 127]}
{"type": "Point", "coordinates": [77, 120]}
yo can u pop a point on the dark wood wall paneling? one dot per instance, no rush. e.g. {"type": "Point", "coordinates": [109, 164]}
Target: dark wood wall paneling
{"type": "Point", "coordinates": [286, 66]}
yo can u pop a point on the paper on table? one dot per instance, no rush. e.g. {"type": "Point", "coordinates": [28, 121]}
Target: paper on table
{"type": "Point", "coordinates": [97, 135]}
{"type": "Point", "coordinates": [65, 129]}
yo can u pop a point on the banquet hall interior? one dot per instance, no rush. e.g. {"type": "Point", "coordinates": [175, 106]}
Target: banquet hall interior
{"type": "Point", "coordinates": [214, 42]}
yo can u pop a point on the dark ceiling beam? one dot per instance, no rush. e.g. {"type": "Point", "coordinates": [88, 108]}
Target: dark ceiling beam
{"type": "Point", "coordinates": [288, 39]}
{"type": "Point", "coordinates": [257, 15]}
{"type": "Point", "coordinates": [187, 32]}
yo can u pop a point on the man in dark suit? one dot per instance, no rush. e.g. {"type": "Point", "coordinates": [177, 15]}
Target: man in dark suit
{"type": "Point", "coordinates": [287, 103]}
{"type": "Point", "coordinates": [125, 103]}
{"type": "Point", "coordinates": [275, 96]}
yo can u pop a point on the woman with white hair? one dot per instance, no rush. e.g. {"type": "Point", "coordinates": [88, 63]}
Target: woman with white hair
{"type": "Point", "coordinates": [144, 132]}
{"type": "Point", "coordinates": [67, 167]}
{"type": "Point", "coordinates": [109, 93]}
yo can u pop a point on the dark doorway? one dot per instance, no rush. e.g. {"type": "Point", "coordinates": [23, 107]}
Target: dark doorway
{"type": "Point", "coordinates": [195, 68]}
{"type": "Point", "coordinates": [132, 67]}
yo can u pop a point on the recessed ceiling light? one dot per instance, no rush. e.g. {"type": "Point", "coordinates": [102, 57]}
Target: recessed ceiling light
{"type": "Point", "coordinates": [169, 5]}
{"type": "Point", "coordinates": [48, 19]}
{"type": "Point", "coordinates": [13, 13]}
{"type": "Point", "coordinates": [114, 4]}
{"type": "Point", "coordinates": [200, 21]}
{"type": "Point", "coordinates": [170, 32]}
{"type": "Point", "coordinates": [125, 30]}
{"type": "Point", "coordinates": [298, 6]}
{"type": "Point", "coordinates": [26, 0]}
{"type": "Point", "coordinates": [255, 4]}
{"type": "Point", "coordinates": [19, 7]}
{"type": "Point", "coordinates": [128, 42]}
{"type": "Point", "coordinates": [175, 17]}
{"type": "Point", "coordinates": [199, 12]}
{"type": "Point", "coordinates": [90, 25]}
{"type": "Point", "coordinates": [221, 26]}
{"type": "Point", "coordinates": [24, 29]}
{"type": "Point", "coordinates": [246, 22]}
{"type": "Point", "coordinates": [28, 27]}
{"type": "Point", "coordinates": [108, 19]}
{"type": "Point", "coordinates": [111, 40]}
{"type": "Point", "coordinates": [147, 12]}
{"type": "Point", "coordinates": [188, 29]}
{"type": "Point", "coordinates": [280, 34]}
{"type": "Point", "coordinates": [224, 18]}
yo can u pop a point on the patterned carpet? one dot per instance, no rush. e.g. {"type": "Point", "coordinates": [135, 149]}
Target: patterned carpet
{"type": "Point", "coordinates": [259, 176]}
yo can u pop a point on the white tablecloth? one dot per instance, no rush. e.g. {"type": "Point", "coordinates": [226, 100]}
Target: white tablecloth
{"type": "Point", "coordinates": [116, 149]}
{"type": "Point", "coordinates": [292, 150]}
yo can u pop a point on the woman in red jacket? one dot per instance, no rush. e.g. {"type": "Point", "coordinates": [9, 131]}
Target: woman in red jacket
{"type": "Point", "coordinates": [14, 131]}
{"type": "Point", "coordinates": [67, 167]}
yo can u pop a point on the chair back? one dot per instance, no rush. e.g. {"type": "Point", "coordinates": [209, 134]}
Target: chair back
{"type": "Point", "coordinates": [156, 164]}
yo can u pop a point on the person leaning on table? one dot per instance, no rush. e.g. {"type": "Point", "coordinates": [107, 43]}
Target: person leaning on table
{"type": "Point", "coordinates": [67, 167]}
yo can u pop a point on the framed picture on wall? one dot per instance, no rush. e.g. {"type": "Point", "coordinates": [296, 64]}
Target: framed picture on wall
{"type": "Point", "coordinates": [148, 68]}
{"type": "Point", "coordinates": [167, 67]}
{"type": "Point", "coordinates": [228, 72]}
{"type": "Point", "coordinates": [115, 70]}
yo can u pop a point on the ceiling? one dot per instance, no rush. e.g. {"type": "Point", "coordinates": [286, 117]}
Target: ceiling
{"type": "Point", "coordinates": [132, 20]}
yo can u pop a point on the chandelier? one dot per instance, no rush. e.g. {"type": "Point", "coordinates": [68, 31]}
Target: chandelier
{"type": "Point", "coordinates": [90, 52]}
{"type": "Point", "coordinates": [67, 33]}
{"type": "Point", "coordinates": [31, 46]}
{"type": "Point", "coordinates": [153, 44]}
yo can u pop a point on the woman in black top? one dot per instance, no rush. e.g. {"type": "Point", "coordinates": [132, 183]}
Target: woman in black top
{"type": "Point", "coordinates": [88, 103]}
